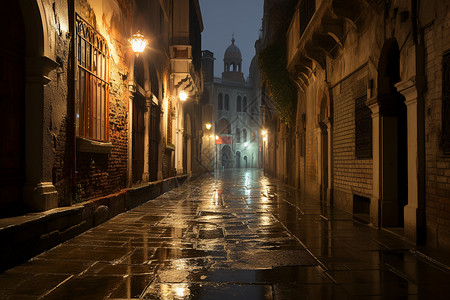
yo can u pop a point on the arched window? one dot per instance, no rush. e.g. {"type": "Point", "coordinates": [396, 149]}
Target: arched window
{"type": "Point", "coordinates": [244, 135]}
{"type": "Point", "coordinates": [220, 104]}
{"type": "Point", "coordinates": [245, 104]}
{"type": "Point", "coordinates": [238, 135]}
{"type": "Point", "coordinates": [227, 102]}
{"type": "Point", "coordinates": [239, 104]}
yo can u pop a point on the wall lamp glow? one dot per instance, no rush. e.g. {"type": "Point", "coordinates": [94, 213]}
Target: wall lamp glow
{"type": "Point", "coordinates": [217, 137]}
{"type": "Point", "coordinates": [138, 43]}
{"type": "Point", "coordinates": [264, 132]}
{"type": "Point", "coordinates": [183, 95]}
{"type": "Point", "coordinates": [208, 126]}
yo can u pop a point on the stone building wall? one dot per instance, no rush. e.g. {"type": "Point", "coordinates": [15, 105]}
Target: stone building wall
{"type": "Point", "coordinates": [437, 189]}
{"type": "Point", "coordinates": [350, 174]}
{"type": "Point", "coordinates": [100, 174]}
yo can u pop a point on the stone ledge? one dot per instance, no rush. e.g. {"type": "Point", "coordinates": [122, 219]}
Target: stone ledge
{"type": "Point", "coordinates": [26, 236]}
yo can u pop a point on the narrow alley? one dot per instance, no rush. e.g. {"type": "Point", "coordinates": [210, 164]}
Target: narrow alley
{"type": "Point", "coordinates": [235, 235]}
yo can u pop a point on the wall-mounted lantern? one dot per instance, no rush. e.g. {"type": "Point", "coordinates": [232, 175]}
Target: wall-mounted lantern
{"type": "Point", "coordinates": [183, 96]}
{"type": "Point", "coordinates": [208, 126]}
{"type": "Point", "coordinates": [138, 43]}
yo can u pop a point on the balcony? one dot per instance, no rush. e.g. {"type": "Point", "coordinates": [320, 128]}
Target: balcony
{"type": "Point", "coordinates": [182, 71]}
{"type": "Point", "coordinates": [317, 31]}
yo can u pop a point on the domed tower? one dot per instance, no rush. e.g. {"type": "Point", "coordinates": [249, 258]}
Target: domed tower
{"type": "Point", "coordinates": [233, 63]}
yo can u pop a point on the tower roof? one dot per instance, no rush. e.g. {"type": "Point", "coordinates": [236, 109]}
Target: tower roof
{"type": "Point", "coordinates": [232, 52]}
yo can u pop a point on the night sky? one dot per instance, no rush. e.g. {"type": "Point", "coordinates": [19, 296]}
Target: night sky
{"type": "Point", "coordinates": [222, 18]}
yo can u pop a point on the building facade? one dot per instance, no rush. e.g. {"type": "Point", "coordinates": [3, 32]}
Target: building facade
{"type": "Point", "coordinates": [232, 105]}
{"type": "Point", "coordinates": [85, 118]}
{"type": "Point", "coordinates": [371, 128]}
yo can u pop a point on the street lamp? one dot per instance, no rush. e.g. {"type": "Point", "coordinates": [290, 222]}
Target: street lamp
{"type": "Point", "coordinates": [183, 96]}
{"type": "Point", "coordinates": [138, 43]}
{"type": "Point", "coordinates": [208, 126]}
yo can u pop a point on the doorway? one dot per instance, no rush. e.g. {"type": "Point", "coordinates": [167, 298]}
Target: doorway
{"type": "Point", "coordinates": [153, 142]}
{"type": "Point", "coordinates": [138, 138]}
{"type": "Point", "coordinates": [238, 159]}
{"type": "Point", "coordinates": [394, 164]}
{"type": "Point", "coordinates": [226, 156]}
{"type": "Point", "coordinates": [12, 114]}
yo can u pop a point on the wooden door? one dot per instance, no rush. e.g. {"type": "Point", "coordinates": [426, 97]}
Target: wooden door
{"type": "Point", "coordinates": [138, 138]}
{"type": "Point", "coordinates": [153, 142]}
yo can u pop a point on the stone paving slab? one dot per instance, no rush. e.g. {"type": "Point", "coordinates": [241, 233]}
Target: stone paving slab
{"type": "Point", "coordinates": [238, 235]}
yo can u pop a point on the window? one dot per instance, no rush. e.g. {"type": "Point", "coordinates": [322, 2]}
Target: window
{"type": "Point", "coordinates": [220, 100]}
{"type": "Point", "coordinates": [92, 83]}
{"type": "Point", "coordinates": [227, 102]}
{"type": "Point", "coordinates": [445, 139]}
{"type": "Point", "coordinates": [244, 135]}
{"type": "Point", "coordinates": [363, 129]}
{"type": "Point", "coordinates": [245, 104]}
{"type": "Point", "coordinates": [239, 104]}
{"type": "Point", "coordinates": [238, 135]}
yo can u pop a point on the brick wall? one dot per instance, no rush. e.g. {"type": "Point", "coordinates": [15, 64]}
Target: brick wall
{"type": "Point", "coordinates": [351, 175]}
{"type": "Point", "coordinates": [437, 190]}
{"type": "Point", "coordinates": [102, 174]}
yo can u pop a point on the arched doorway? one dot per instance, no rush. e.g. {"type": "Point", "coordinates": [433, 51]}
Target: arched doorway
{"type": "Point", "coordinates": [12, 114]}
{"type": "Point", "coordinates": [225, 155]}
{"type": "Point", "coordinates": [238, 159]}
{"type": "Point", "coordinates": [393, 136]}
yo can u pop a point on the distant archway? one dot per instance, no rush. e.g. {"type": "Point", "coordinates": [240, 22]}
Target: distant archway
{"type": "Point", "coordinates": [225, 155]}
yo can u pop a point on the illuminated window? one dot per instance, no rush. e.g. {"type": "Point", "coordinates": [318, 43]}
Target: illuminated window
{"type": "Point", "coordinates": [92, 83]}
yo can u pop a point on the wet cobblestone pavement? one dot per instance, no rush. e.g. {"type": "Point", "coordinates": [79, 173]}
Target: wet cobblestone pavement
{"type": "Point", "coordinates": [237, 236]}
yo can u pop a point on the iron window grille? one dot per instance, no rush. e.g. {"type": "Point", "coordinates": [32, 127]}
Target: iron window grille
{"type": "Point", "coordinates": [92, 82]}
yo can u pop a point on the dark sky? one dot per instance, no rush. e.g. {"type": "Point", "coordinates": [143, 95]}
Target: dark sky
{"type": "Point", "coordinates": [222, 18]}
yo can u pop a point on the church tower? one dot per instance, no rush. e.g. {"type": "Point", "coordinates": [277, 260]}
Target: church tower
{"type": "Point", "coordinates": [233, 63]}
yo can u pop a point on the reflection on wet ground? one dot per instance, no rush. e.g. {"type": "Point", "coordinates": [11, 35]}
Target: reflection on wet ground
{"type": "Point", "coordinates": [238, 235]}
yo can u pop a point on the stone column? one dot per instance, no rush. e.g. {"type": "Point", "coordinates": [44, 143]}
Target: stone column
{"type": "Point", "coordinates": [39, 191]}
{"type": "Point", "coordinates": [415, 209]}
{"type": "Point", "coordinates": [375, 201]}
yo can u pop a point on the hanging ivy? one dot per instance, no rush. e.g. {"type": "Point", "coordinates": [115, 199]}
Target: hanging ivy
{"type": "Point", "coordinates": [272, 63]}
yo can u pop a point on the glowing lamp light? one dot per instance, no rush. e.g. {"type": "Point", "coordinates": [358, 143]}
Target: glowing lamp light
{"type": "Point", "coordinates": [208, 126]}
{"type": "Point", "coordinates": [246, 144]}
{"type": "Point", "coordinates": [217, 137]}
{"type": "Point", "coordinates": [264, 132]}
{"type": "Point", "coordinates": [183, 95]}
{"type": "Point", "coordinates": [138, 43]}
